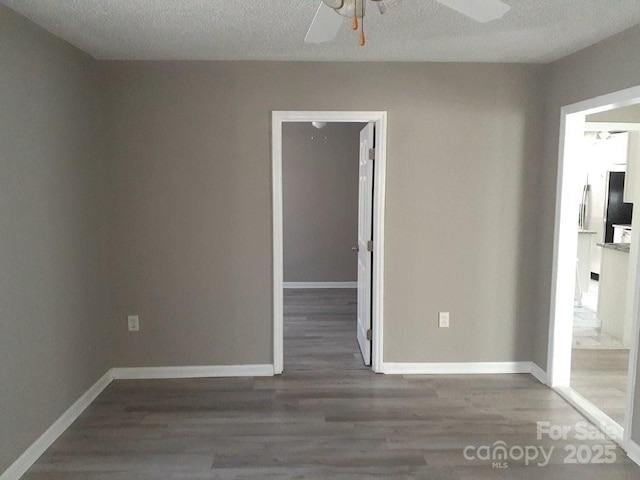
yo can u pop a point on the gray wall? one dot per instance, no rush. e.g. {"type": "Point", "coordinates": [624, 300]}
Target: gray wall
{"type": "Point", "coordinates": [320, 201]}
{"type": "Point", "coordinates": [53, 291]}
{"type": "Point", "coordinates": [191, 204]}
{"type": "Point", "coordinates": [608, 66]}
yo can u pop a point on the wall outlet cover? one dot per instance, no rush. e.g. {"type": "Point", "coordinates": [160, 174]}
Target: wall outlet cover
{"type": "Point", "coordinates": [443, 319]}
{"type": "Point", "coordinates": [134, 323]}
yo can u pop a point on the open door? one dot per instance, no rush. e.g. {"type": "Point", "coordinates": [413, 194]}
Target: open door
{"type": "Point", "coordinates": [365, 235]}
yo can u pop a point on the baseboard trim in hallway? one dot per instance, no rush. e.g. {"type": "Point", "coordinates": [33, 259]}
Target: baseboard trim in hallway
{"type": "Point", "coordinates": [37, 448]}
{"type": "Point", "coordinates": [457, 368]}
{"type": "Point", "coordinates": [320, 284]}
{"type": "Point", "coordinates": [539, 373]}
{"type": "Point", "coordinates": [593, 414]}
{"type": "Point", "coordinates": [146, 373]}
{"type": "Point", "coordinates": [633, 451]}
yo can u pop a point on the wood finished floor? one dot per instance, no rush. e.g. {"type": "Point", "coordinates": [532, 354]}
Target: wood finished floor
{"type": "Point", "coordinates": [327, 417]}
{"type": "Point", "coordinates": [600, 376]}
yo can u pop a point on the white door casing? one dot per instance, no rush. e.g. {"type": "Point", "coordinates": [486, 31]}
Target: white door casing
{"type": "Point", "coordinates": [572, 128]}
{"type": "Point", "coordinates": [278, 118]}
{"type": "Point", "coordinates": [365, 231]}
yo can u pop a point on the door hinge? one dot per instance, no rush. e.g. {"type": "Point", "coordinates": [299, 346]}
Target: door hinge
{"type": "Point", "coordinates": [370, 246]}
{"type": "Point", "coordinates": [369, 335]}
{"type": "Point", "coordinates": [372, 154]}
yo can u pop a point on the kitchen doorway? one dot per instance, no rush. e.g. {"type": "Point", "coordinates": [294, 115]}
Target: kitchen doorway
{"type": "Point", "coordinates": [602, 313]}
{"type": "Point", "coordinates": [568, 281]}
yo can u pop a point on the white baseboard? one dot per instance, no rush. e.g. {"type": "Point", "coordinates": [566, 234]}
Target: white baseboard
{"type": "Point", "coordinates": [538, 373]}
{"type": "Point", "coordinates": [37, 448]}
{"type": "Point", "coordinates": [262, 370]}
{"type": "Point", "coordinates": [454, 368]}
{"type": "Point", "coordinates": [592, 413]}
{"type": "Point", "coordinates": [633, 451]}
{"type": "Point", "coordinates": [320, 284]}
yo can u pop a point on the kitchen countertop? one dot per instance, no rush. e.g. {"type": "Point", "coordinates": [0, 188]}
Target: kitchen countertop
{"type": "Point", "coordinates": [621, 247]}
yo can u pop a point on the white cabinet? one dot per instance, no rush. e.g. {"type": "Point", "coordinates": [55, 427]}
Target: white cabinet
{"type": "Point", "coordinates": [613, 309]}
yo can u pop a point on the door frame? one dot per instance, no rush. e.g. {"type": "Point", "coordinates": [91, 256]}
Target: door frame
{"type": "Point", "coordinates": [572, 126]}
{"type": "Point", "coordinates": [278, 118]}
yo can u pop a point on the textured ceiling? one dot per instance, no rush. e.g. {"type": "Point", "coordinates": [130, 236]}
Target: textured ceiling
{"type": "Point", "coordinates": [414, 30]}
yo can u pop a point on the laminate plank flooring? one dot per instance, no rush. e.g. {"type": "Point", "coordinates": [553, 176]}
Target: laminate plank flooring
{"type": "Point", "coordinates": [320, 328]}
{"type": "Point", "coordinates": [326, 417]}
{"type": "Point", "coordinates": [600, 376]}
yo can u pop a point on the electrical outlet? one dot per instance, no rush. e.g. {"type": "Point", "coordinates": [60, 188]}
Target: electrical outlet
{"type": "Point", "coordinates": [134, 323]}
{"type": "Point", "coordinates": [443, 319]}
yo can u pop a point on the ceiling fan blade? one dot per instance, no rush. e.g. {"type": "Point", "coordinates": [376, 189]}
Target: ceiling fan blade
{"type": "Point", "coordinates": [325, 25]}
{"type": "Point", "coordinates": [382, 7]}
{"type": "Point", "coordinates": [480, 10]}
{"type": "Point", "coordinates": [385, 5]}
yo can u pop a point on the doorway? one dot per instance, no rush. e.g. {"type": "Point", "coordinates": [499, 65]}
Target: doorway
{"type": "Point", "coordinates": [377, 120]}
{"type": "Point", "coordinates": [571, 286]}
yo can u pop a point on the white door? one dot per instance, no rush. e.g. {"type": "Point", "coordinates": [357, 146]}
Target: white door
{"type": "Point", "coordinates": [365, 235]}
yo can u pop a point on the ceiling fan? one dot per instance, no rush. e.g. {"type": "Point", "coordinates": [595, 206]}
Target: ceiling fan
{"type": "Point", "coordinates": [331, 14]}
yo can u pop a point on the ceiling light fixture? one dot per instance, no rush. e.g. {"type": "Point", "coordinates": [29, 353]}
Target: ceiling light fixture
{"type": "Point", "coordinates": [331, 13]}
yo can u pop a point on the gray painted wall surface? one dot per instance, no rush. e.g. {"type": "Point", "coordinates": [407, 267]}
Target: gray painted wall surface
{"type": "Point", "coordinates": [191, 204]}
{"type": "Point", "coordinates": [320, 201]}
{"type": "Point", "coordinates": [53, 280]}
{"type": "Point", "coordinates": [606, 67]}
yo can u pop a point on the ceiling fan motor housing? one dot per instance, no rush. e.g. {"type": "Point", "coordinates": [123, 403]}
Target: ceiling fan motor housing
{"type": "Point", "coordinates": [347, 7]}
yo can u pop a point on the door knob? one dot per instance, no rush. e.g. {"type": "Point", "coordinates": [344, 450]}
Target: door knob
{"type": "Point", "coordinates": [355, 249]}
